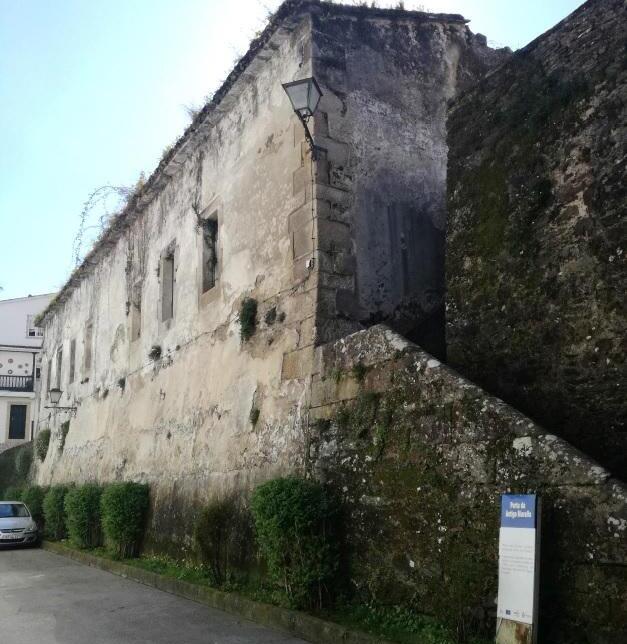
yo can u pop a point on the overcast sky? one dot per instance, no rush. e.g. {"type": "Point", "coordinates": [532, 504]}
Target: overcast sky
{"type": "Point", "coordinates": [92, 91]}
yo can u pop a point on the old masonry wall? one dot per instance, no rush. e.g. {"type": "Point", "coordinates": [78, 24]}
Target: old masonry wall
{"type": "Point", "coordinates": [213, 413]}
{"type": "Point", "coordinates": [419, 457]}
{"type": "Point", "coordinates": [387, 77]}
{"type": "Point", "coordinates": [536, 268]}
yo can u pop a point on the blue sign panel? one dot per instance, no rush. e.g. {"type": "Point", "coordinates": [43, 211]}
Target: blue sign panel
{"type": "Point", "coordinates": [518, 511]}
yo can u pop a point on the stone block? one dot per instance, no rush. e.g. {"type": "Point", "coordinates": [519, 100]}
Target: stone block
{"type": "Point", "coordinates": [297, 364]}
{"type": "Point", "coordinates": [333, 236]}
{"type": "Point", "coordinates": [302, 241]}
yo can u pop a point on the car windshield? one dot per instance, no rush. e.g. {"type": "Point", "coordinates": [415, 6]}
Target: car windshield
{"type": "Point", "coordinates": [11, 510]}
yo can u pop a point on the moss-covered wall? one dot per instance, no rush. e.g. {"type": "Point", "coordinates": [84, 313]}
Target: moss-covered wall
{"type": "Point", "coordinates": [420, 456]}
{"type": "Point", "coordinates": [536, 237]}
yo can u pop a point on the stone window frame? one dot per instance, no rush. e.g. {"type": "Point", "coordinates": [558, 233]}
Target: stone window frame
{"type": "Point", "coordinates": [58, 370]}
{"type": "Point", "coordinates": [88, 348]}
{"type": "Point", "coordinates": [72, 373]}
{"type": "Point", "coordinates": [205, 297]}
{"type": "Point", "coordinates": [135, 311]}
{"type": "Point", "coordinates": [170, 252]}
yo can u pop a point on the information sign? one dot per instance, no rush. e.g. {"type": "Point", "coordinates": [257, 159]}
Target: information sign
{"type": "Point", "coordinates": [518, 564]}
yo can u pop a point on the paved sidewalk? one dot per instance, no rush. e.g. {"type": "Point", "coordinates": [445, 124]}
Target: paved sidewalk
{"type": "Point", "coordinates": [47, 599]}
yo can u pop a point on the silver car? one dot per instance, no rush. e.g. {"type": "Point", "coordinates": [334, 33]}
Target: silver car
{"type": "Point", "coordinates": [17, 526]}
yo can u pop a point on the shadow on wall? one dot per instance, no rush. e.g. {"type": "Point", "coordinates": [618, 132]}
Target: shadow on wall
{"type": "Point", "coordinates": [401, 273]}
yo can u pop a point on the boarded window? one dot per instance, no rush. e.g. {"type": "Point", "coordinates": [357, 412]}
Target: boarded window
{"type": "Point", "coordinates": [209, 253]}
{"type": "Point", "coordinates": [87, 348]}
{"type": "Point", "coordinates": [72, 359]}
{"type": "Point", "coordinates": [136, 312]}
{"type": "Point", "coordinates": [49, 374]}
{"type": "Point", "coordinates": [167, 286]}
{"type": "Point", "coordinates": [59, 366]}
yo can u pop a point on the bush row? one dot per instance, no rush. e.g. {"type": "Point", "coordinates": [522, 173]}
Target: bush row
{"type": "Point", "coordinates": [89, 515]}
{"type": "Point", "coordinates": [290, 524]}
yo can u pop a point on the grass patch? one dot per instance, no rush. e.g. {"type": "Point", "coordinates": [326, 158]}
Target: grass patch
{"type": "Point", "coordinates": [395, 624]}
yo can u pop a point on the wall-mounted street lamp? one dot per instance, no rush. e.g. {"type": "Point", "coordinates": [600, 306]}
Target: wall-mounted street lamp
{"type": "Point", "coordinates": [55, 396]}
{"type": "Point", "coordinates": [304, 95]}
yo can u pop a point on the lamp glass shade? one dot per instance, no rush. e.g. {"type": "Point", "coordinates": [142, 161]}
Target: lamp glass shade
{"type": "Point", "coordinates": [304, 95]}
{"type": "Point", "coordinates": [55, 395]}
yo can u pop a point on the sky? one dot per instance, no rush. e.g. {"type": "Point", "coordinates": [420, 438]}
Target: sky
{"type": "Point", "coordinates": [93, 91]}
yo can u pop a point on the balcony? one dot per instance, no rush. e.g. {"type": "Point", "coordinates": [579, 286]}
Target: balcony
{"type": "Point", "coordinates": [16, 383]}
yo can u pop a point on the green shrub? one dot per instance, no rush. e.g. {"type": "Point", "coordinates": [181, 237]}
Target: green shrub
{"type": "Point", "coordinates": [54, 512]}
{"type": "Point", "coordinates": [293, 519]}
{"type": "Point", "coordinates": [248, 318]}
{"type": "Point", "coordinates": [23, 461]}
{"type": "Point", "coordinates": [13, 493]}
{"type": "Point", "coordinates": [82, 511]}
{"type": "Point", "coordinates": [41, 444]}
{"type": "Point", "coordinates": [33, 496]}
{"type": "Point", "coordinates": [223, 537]}
{"type": "Point", "coordinates": [123, 508]}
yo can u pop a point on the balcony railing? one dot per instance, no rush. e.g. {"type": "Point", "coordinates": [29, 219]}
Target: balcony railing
{"type": "Point", "coordinates": [16, 383]}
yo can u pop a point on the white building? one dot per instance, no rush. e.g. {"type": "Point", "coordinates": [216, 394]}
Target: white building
{"type": "Point", "coordinates": [20, 363]}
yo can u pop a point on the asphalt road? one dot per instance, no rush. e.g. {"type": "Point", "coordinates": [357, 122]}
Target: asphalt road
{"type": "Point", "coordinates": [47, 599]}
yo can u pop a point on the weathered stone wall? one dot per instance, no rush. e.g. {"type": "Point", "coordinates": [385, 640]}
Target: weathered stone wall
{"type": "Point", "coordinates": [386, 78]}
{"type": "Point", "coordinates": [183, 422]}
{"type": "Point", "coordinates": [536, 238]}
{"type": "Point", "coordinates": [420, 455]}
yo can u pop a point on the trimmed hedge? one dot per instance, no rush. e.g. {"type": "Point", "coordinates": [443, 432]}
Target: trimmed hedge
{"type": "Point", "coordinates": [293, 519]}
{"type": "Point", "coordinates": [123, 508]}
{"type": "Point", "coordinates": [82, 511]}
{"type": "Point", "coordinates": [33, 496]}
{"type": "Point", "coordinates": [13, 493]}
{"type": "Point", "coordinates": [54, 512]}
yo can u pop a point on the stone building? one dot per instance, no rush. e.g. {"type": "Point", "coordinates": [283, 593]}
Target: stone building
{"type": "Point", "coordinates": [252, 312]}
{"type": "Point", "coordinates": [145, 337]}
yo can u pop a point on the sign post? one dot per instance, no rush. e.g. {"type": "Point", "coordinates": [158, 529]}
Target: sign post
{"type": "Point", "coordinates": [519, 554]}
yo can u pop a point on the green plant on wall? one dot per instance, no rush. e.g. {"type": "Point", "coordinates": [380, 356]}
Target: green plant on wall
{"type": "Point", "coordinates": [41, 444]}
{"type": "Point", "coordinates": [248, 318]}
{"type": "Point", "coordinates": [65, 428]}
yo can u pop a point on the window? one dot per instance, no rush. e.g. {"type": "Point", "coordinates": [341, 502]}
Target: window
{"type": "Point", "coordinates": [136, 311]}
{"type": "Point", "coordinates": [59, 366]}
{"type": "Point", "coordinates": [72, 359]}
{"type": "Point", "coordinates": [17, 422]}
{"type": "Point", "coordinates": [49, 374]}
{"type": "Point", "coordinates": [167, 285]}
{"type": "Point", "coordinates": [87, 348]}
{"type": "Point", "coordinates": [33, 331]}
{"type": "Point", "coordinates": [209, 253]}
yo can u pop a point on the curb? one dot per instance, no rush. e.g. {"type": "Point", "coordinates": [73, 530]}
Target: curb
{"type": "Point", "coordinates": [312, 629]}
